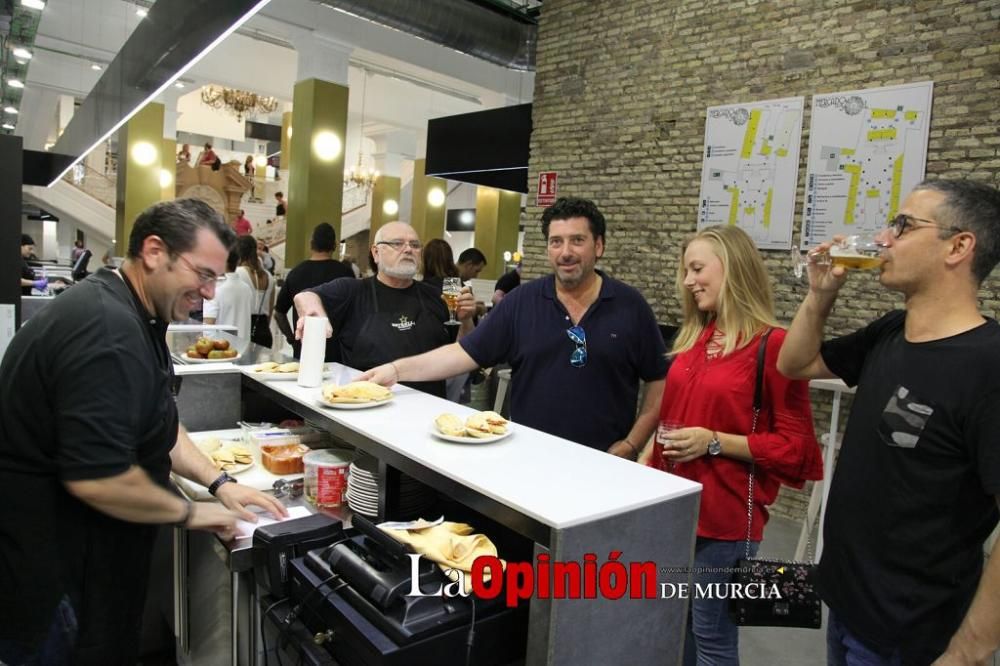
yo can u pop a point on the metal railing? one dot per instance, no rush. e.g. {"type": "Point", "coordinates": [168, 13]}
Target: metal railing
{"type": "Point", "coordinates": [96, 184]}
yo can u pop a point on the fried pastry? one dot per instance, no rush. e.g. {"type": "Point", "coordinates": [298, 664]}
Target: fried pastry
{"type": "Point", "coordinates": [449, 424]}
{"type": "Point", "coordinates": [356, 392]}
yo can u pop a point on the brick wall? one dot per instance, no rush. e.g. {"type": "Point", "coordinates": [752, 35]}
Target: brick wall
{"type": "Point", "coordinates": [619, 112]}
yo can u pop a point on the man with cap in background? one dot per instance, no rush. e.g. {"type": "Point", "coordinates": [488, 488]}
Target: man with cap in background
{"type": "Point", "coordinates": [27, 273]}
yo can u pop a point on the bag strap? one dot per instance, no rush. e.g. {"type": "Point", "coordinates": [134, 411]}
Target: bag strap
{"type": "Point", "coordinates": [758, 401]}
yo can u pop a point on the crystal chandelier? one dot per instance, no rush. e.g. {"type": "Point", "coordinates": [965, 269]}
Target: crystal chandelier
{"type": "Point", "coordinates": [358, 176]}
{"type": "Point", "coordinates": [238, 102]}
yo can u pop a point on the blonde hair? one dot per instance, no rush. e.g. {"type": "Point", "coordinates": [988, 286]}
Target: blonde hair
{"type": "Point", "coordinates": [745, 303]}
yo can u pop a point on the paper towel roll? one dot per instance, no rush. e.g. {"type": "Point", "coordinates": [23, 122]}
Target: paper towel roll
{"type": "Point", "coordinates": [313, 352]}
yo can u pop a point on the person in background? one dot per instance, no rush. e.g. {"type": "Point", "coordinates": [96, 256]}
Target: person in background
{"type": "Point", "coordinates": [576, 337]}
{"type": "Point", "coordinates": [184, 155]}
{"type": "Point", "coordinates": [233, 302]}
{"type": "Point", "coordinates": [249, 170]}
{"type": "Point", "coordinates": [279, 208]}
{"type": "Point", "coordinates": [242, 225]}
{"type": "Point", "coordinates": [253, 274]}
{"type": "Point", "coordinates": [379, 318]}
{"type": "Point", "coordinates": [728, 305]}
{"type": "Point", "coordinates": [208, 156]}
{"type": "Point", "coordinates": [471, 263]}
{"type": "Point", "coordinates": [78, 249]}
{"type": "Point", "coordinates": [28, 278]}
{"type": "Point", "coordinates": [917, 486]}
{"type": "Point", "coordinates": [264, 254]}
{"type": "Point", "coordinates": [89, 435]}
{"type": "Point", "coordinates": [438, 263]}
{"type": "Point", "coordinates": [318, 269]}
{"type": "Point", "coordinates": [507, 283]}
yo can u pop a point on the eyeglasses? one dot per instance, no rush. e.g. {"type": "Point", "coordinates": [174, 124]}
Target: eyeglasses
{"type": "Point", "coordinates": [578, 358]}
{"type": "Point", "coordinates": [205, 276]}
{"type": "Point", "coordinates": [902, 222]}
{"type": "Point", "coordinates": [397, 245]}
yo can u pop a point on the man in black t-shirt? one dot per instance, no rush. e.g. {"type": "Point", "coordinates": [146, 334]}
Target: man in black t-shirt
{"type": "Point", "coordinates": [917, 486]}
{"type": "Point", "coordinates": [28, 277]}
{"type": "Point", "coordinates": [318, 269]}
{"type": "Point", "coordinates": [89, 435]}
{"type": "Point", "coordinates": [387, 316]}
{"type": "Point", "coordinates": [507, 283]}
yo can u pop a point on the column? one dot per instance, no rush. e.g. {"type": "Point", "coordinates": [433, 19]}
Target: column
{"type": "Point", "coordinates": [428, 208]}
{"type": "Point", "coordinates": [140, 145]}
{"type": "Point", "coordinates": [286, 141]}
{"type": "Point", "coordinates": [319, 126]}
{"type": "Point", "coordinates": [385, 203]}
{"type": "Point", "coordinates": [498, 216]}
{"type": "Point", "coordinates": [168, 155]}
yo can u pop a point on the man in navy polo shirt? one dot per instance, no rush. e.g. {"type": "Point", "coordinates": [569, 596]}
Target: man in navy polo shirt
{"type": "Point", "coordinates": [578, 343]}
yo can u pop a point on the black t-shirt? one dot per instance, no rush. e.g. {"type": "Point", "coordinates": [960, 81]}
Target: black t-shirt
{"type": "Point", "coordinates": [508, 281]}
{"type": "Point", "coordinates": [309, 274]}
{"type": "Point", "coordinates": [279, 210]}
{"type": "Point", "coordinates": [913, 496]}
{"type": "Point", "coordinates": [349, 304]}
{"type": "Point", "coordinates": [26, 274]}
{"type": "Point", "coordinates": [83, 386]}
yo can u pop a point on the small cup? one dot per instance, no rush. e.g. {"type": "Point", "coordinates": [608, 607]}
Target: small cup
{"type": "Point", "coordinates": [665, 427]}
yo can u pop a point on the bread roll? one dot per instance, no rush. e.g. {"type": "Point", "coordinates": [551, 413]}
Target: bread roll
{"type": "Point", "coordinates": [283, 459]}
{"type": "Point", "coordinates": [449, 424]}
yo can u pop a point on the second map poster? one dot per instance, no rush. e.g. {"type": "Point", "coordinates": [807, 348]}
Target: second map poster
{"type": "Point", "coordinates": [867, 149]}
{"type": "Point", "coordinates": [751, 167]}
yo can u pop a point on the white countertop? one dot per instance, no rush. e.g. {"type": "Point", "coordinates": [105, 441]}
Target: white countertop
{"type": "Point", "coordinates": [835, 384]}
{"type": "Point", "coordinates": [552, 480]}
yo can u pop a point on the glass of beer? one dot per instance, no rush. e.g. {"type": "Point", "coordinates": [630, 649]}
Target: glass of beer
{"type": "Point", "coordinates": [858, 251]}
{"type": "Point", "coordinates": [663, 428]}
{"type": "Point", "coordinates": [451, 289]}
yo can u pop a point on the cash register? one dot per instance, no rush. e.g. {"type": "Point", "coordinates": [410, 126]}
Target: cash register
{"type": "Point", "coordinates": [353, 596]}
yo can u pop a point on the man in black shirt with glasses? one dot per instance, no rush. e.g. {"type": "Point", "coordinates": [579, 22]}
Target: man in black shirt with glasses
{"type": "Point", "coordinates": [89, 435]}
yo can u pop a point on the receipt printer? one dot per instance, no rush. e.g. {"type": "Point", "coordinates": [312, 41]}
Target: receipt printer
{"type": "Point", "coordinates": [274, 547]}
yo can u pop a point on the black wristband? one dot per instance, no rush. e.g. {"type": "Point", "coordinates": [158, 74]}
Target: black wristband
{"type": "Point", "coordinates": [188, 510]}
{"type": "Point", "coordinates": [223, 478]}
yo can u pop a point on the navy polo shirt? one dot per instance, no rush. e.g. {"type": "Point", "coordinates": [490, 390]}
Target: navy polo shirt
{"type": "Point", "coordinates": [595, 404]}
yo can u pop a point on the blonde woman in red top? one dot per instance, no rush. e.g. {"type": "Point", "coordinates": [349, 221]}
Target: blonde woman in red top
{"type": "Point", "coordinates": [728, 305]}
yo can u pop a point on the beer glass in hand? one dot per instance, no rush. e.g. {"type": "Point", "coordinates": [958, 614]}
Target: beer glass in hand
{"type": "Point", "coordinates": [862, 251]}
{"type": "Point", "coordinates": [451, 289]}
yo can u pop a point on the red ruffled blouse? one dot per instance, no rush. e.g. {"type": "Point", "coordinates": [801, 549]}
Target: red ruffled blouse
{"type": "Point", "coordinates": [718, 394]}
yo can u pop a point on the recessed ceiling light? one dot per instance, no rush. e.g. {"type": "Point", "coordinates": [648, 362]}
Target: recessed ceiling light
{"type": "Point", "coordinates": [7, 126]}
{"type": "Point", "coordinates": [96, 67]}
{"type": "Point", "coordinates": [15, 83]}
{"type": "Point", "coordinates": [178, 85]}
{"type": "Point", "coordinates": [33, 4]}
{"type": "Point", "coordinates": [22, 53]}
{"type": "Point", "coordinates": [141, 13]}
{"type": "Point", "coordinates": [10, 109]}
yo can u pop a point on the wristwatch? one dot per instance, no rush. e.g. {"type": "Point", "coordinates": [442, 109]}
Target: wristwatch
{"type": "Point", "coordinates": [714, 446]}
{"type": "Point", "coordinates": [223, 478]}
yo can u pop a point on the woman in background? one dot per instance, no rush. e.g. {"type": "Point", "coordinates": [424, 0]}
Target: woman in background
{"type": "Point", "coordinates": [728, 307]}
{"type": "Point", "coordinates": [251, 272]}
{"type": "Point", "coordinates": [438, 263]}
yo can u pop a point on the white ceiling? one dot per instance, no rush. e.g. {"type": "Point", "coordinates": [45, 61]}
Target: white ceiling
{"type": "Point", "coordinates": [410, 80]}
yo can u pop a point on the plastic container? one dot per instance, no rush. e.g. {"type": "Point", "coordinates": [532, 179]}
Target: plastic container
{"type": "Point", "coordinates": [326, 476]}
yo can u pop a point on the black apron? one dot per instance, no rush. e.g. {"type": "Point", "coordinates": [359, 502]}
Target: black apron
{"type": "Point", "coordinates": [386, 336]}
{"type": "Point", "coordinates": [108, 588]}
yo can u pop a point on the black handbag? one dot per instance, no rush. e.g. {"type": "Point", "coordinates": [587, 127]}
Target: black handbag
{"type": "Point", "coordinates": [774, 593]}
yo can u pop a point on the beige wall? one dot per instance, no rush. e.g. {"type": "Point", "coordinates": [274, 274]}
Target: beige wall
{"type": "Point", "coordinates": [619, 113]}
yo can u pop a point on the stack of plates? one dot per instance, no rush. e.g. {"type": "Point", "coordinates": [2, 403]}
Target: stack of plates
{"type": "Point", "coordinates": [362, 491]}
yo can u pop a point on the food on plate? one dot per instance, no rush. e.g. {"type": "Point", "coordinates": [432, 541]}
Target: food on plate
{"type": "Point", "coordinates": [283, 458]}
{"type": "Point", "coordinates": [288, 367]}
{"type": "Point", "coordinates": [265, 367]}
{"type": "Point", "coordinates": [227, 458]}
{"type": "Point", "coordinates": [208, 445]}
{"type": "Point", "coordinates": [355, 392]}
{"type": "Point", "coordinates": [477, 425]}
{"type": "Point", "coordinates": [208, 348]}
{"type": "Point", "coordinates": [449, 424]}
{"type": "Point", "coordinates": [272, 367]}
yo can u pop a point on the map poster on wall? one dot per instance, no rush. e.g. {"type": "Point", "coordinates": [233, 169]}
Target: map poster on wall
{"type": "Point", "coordinates": [867, 150]}
{"type": "Point", "coordinates": [750, 169]}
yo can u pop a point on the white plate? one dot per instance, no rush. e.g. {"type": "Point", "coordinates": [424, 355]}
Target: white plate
{"type": "Point", "coordinates": [473, 440]}
{"type": "Point", "coordinates": [210, 360]}
{"type": "Point", "coordinates": [353, 405]}
{"type": "Point", "coordinates": [282, 376]}
{"type": "Point", "coordinates": [238, 468]}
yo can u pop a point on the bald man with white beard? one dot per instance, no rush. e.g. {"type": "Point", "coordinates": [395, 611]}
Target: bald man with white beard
{"type": "Point", "coordinates": [390, 315]}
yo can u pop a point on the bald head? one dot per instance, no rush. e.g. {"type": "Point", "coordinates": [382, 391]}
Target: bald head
{"type": "Point", "coordinates": [394, 251]}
